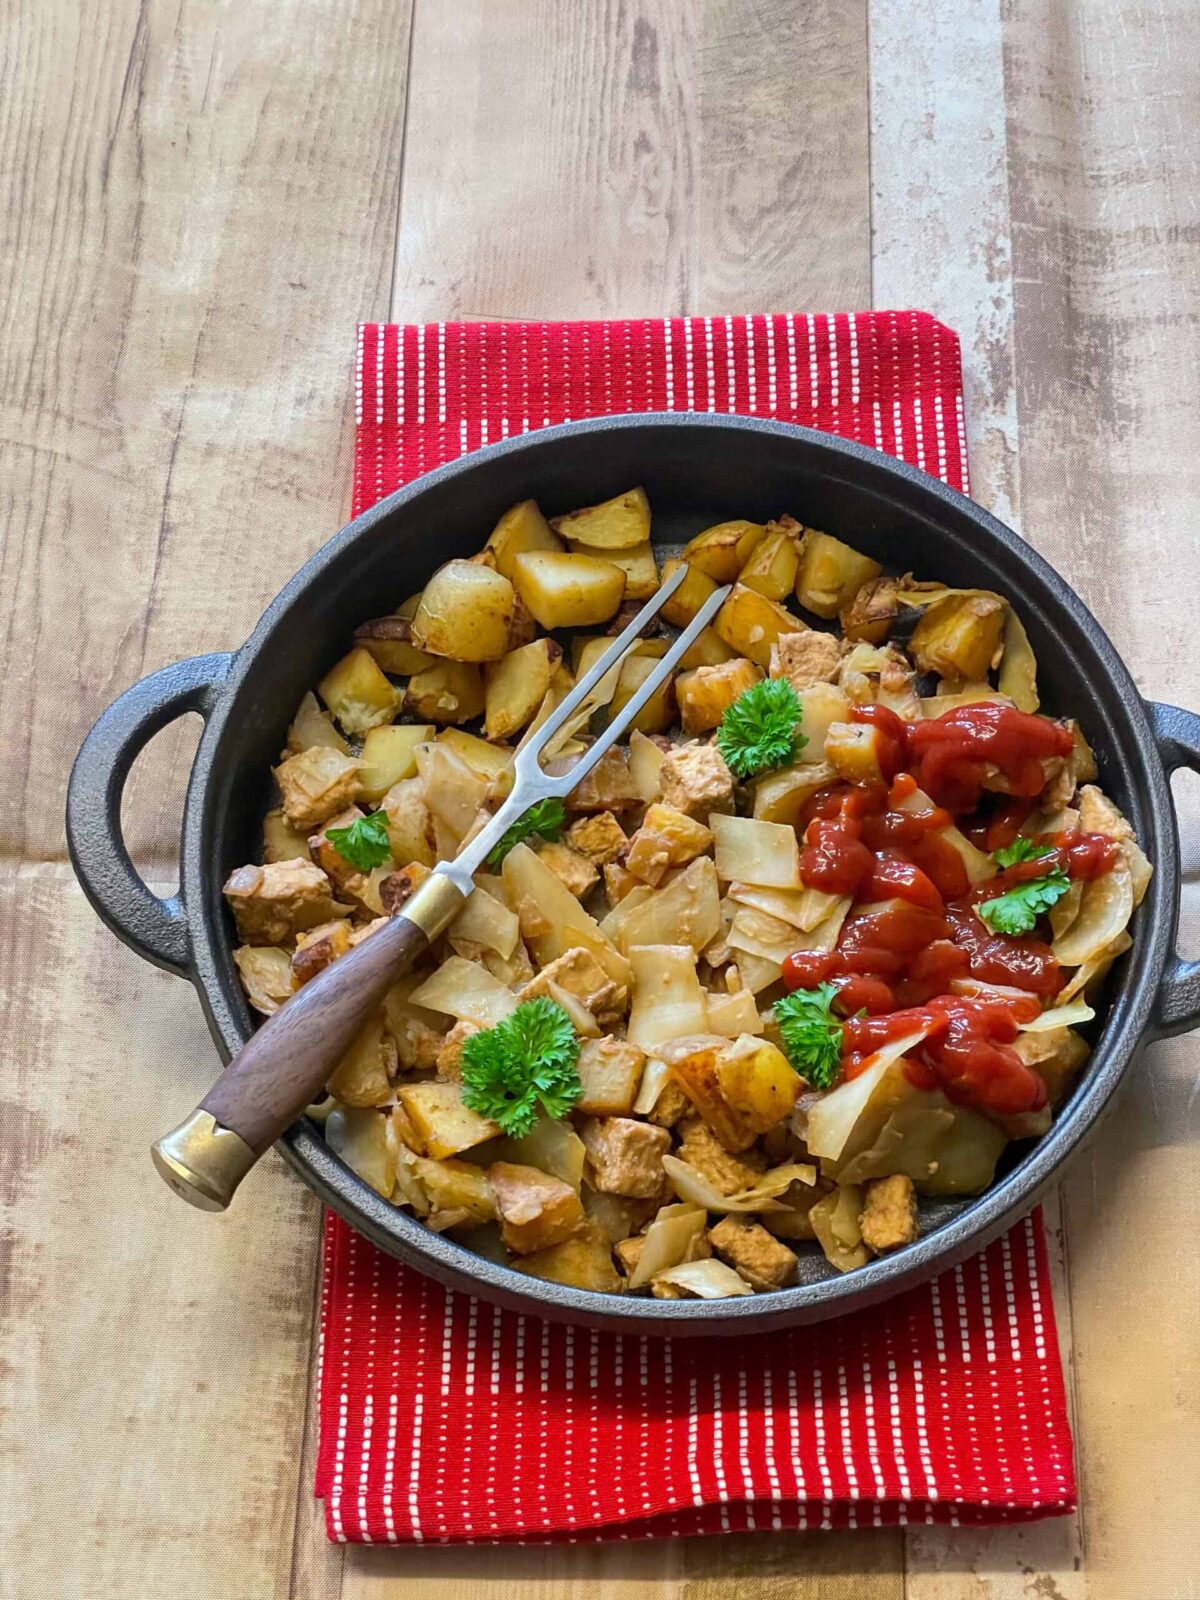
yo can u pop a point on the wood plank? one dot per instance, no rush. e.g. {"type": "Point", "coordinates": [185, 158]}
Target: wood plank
{"type": "Point", "coordinates": [681, 155]}
{"type": "Point", "coordinates": [200, 204]}
{"type": "Point", "coordinates": [1105, 158]}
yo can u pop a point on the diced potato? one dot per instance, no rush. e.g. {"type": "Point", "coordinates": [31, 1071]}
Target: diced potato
{"type": "Point", "coordinates": [316, 785]}
{"type": "Point", "coordinates": [750, 624]}
{"type": "Point", "coordinates": [608, 786]}
{"type": "Point", "coordinates": [568, 591]}
{"type": "Point", "coordinates": [457, 1186]}
{"type": "Point", "coordinates": [708, 649]}
{"type": "Point", "coordinates": [610, 1071]}
{"type": "Point", "coordinates": [734, 1014]}
{"type": "Point", "coordinates": [522, 626]}
{"type": "Point", "coordinates": [757, 1078]}
{"type": "Point", "coordinates": [535, 1209]}
{"type": "Point", "coordinates": [693, 1064]}
{"type": "Point", "coordinates": [358, 694]}
{"type": "Point", "coordinates": [584, 1262]}
{"type": "Point", "coordinates": [645, 765]}
{"type": "Point", "coordinates": [388, 755]}
{"type": "Point", "coordinates": [534, 892]}
{"type": "Point", "coordinates": [637, 563]}
{"type": "Point", "coordinates": [452, 691]}
{"type": "Point", "coordinates": [869, 615]}
{"type": "Point", "coordinates": [773, 566]}
{"type": "Point", "coordinates": [444, 1124]}
{"type": "Point", "coordinates": [831, 574]}
{"type": "Point", "coordinates": [706, 693]}
{"type": "Point", "coordinates": [666, 838]}
{"type": "Point", "coordinates": [521, 528]}
{"type": "Point", "coordinates": [389, 640]}
{"type": "Point", "coordinates": [282, 842]}
{"type": "Point", "coordinates": [488, 761]}
{"type": "Point", "coordinates": [821, 705]}
{"type": "Point", "coordinates": [465, 612]}
{"type": "Point", "coordinates": [361, 1077]}
{"type": "Point", "coordinates": [616, 524]}
{"type": "Point", "coordinates": [853, 749]}
{"type": "Point", "coordinates": [691, 594]}
{"type": "Point", "coordinates": [312, 727]}
{"type": "Point", "coordinates": [657, 715]}
{"type": "Point", "coordinates": [409, 825]}
{"type": "Point", "coordinates": [516, 685]}
{"type": "Point", "coordinates": [960, 637]}
{"type": "Point", "coordinates": [267, 978]}
{"type": "Point", "coordinates": [359, 1138]}
{"type": "Point", "coordinates": [722, 551]}
{"type": "Point", "coordinates": [781, 796]}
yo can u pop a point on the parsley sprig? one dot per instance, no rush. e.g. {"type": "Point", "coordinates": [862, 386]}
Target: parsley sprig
{"type": "Point", "coordinates": [523, 1067]}
{"type": "Point", "coordinates": [1017, 910]}
{"type": "Point", "coordinates": [812, 1035]}
{"type": "Point", "coordinates": [545, 820]}
{"type": "Point", "coordinates": [761, 729]}
{"type": "Point", "coordinates": [1021, 849]}
{"type": "Point", "coordinates": [364, 844]}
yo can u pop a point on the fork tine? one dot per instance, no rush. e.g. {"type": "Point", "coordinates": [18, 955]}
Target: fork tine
{"type": "Point", "coordinates": [653, 682]}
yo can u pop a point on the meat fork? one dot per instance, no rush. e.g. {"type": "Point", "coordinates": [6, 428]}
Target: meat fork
{"type": "Point", "coordinates": [288, 1061]}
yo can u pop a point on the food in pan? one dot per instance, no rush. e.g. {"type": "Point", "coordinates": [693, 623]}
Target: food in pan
{"type": "Point", "coordinates": [816, 941]}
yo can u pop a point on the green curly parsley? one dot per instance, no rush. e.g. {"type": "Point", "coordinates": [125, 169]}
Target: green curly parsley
{"type": "Point", "coordinates": [1016, 911]}
{"type": "Point", "coordinates": [545, 820]}
{"type": "Point", "coordinates": [523, 1067]}
{"type": "Point", "coordinates": [761, 729]}
{"type": "Point", "coordinates": [1021, 849]}
{"type": "Point", "coordinates": [812, 1035]}
{"type": "Point", "coordinates": [364, 844]}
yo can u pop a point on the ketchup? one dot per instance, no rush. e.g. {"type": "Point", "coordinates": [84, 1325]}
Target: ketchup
{"type": "Point", "coordinates": [913, 930]}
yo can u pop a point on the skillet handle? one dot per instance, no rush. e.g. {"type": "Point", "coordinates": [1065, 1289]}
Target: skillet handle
{"type": "Point", "coordinates": [1178, 1005]}
{"type": "Point", "coordinates": [157, 929]}
{"type": "Point", "coordinates": [286, 1064]}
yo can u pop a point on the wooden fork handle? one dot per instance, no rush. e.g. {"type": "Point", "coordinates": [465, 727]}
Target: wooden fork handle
{"type": "Point", "coordinates": [287, 1062]}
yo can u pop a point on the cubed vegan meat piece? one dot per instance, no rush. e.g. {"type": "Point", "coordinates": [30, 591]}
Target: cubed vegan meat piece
{"type": "Point", "coordinates": [701, 1149]}
{"type": "Point", "coordinates": [806, 658]}
{"type": "Point", "coordinates": [316, 785]}
{"type": "Point", "coordinates": [319, 946]}
{"type": "Point", "coordinates": [569, 867]}
{"type": "Point", "coordinates": [747, 1247]}
{"type": "Point", "coordinates": [695, 780]}
{"type": "Point", "coordinates": [579, 973]}
{"type": "Point", "coordinates": [273, 903]}
{"type": "Point", "coordinates": [625, 1156]}
{"type": "Point", "coordinates": [449, 1057]}
{"type": "Point", "coordinates": [889, 1214]}
{"type": "Point", "coordinates": [600, 838]}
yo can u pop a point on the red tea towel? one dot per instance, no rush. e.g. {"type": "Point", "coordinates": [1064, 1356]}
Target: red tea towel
{"type": "Point", "coordinates": [443, 1418]}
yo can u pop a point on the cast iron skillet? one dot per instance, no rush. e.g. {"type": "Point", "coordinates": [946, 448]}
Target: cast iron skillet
{"type": "Point", "coordinates": [698, 470]}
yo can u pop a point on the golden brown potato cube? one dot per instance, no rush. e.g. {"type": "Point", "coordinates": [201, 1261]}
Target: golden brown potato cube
{"type": "Point", "coordinates": [312, 726]}
{"type": "Point", "coordinates": [568, 591]}
{"type": "Point", "coordinates": [444, 1123]}
{"type": "Point", "coordinates": [449, 1057]}
{"type": "Point", "coordinates": [363, 1076]}
{"type": "Point", "coordinates": [695, 780]}
{"type": "Point", "coordinates": [600, 838]}
{"type": "Point", "coordinates": [535, 1210]}
{"type": "Point", "coordinates": [722, 551]}
{"type": "Point", "coordinates": [657, 715]}
{"type": "Point", "coordinates": [708, 649]}
{"type": "Point", "coordinates": [853, 751]}
{"type": "Point", "coordinates": [465, 612]}
{"type": "Point", "coordinates": [757, 1078]}
{"type": "Point", "coordinates": [749, 1249]}
{"type": "Point", "coordinates": [450, 692]}
{"type": "Point", "coordinates": [266, 975]}
{"type": "Point", "coordinates": [320, 946]}
{"type": "Point", "coordinates": [959, 638]}
{"type": "Point", "coordinates": [569, 867]}
{"type": "Point", "coordinates": [773, 566]}
{"type": "Point", "coordinates": [389, 754]}
{"type": "Point", "coordinates": [316, 785]}
{"type": "Point", "coordinates": [728, 1174]}
{"type": "Point", "coordinates": [390, 641]}
{"type": "Point", "coordinates": [782, 796]}
{"type": "Point", "coordinates": [609, 786]}
{"type": "Point", "coordinates": [806, 658]}
{"type": "Point", "coordinates": [696, 1074]}
{"type": "Point", "coordinates": [638, 565]}
{"type": "Point", "coordinates": [409, 825]}
{"type": "Point", "coordinates": [821, 705]}
{"type": "Point", "coordinates": [358, 694]}
{"type": "Point", "coordinates": [629, 1252]}
{"type": "Point", "coordinates": [625, 1156]}
{"type": "Point", "coordinates": [667, 838]}
{"type": "Point", "coordinates": [889, 1214]}
{"type": "Point", "coordinates": [868, 616]}
{"type": "Point", "coordinates": [521, 528]}
{"type": "Point", "coordinates": [687, 600]}
{"type": "Point", "coordinates": [610, 1071]}
{"type": "Point", "coordinates": [750, 624]}
{"type": "Point", "coordinates": [516, 685]}
{"type": "Point", "coordinates": [578, 972]}
{"type": "Point", "coordinates": [584, 1262]}
{"type": "Point", "coordinates": [831, 573]}
{"type": "Point", "coordinates": [616, 524]}
{"type": "Point", "coordinates": [457, 1186]}
{"type": "Point", "coordinates": [706, 693]}
{"type": "Point", "coordinates": [618, 882]}
{"type": "Point", "coordinates": [282, 842]}
{"type": "Point", "coordinates": [273, 903]}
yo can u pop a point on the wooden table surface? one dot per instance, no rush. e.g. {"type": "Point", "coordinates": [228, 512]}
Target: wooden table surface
{"type": "Point", "coordinates": [200, 200]}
